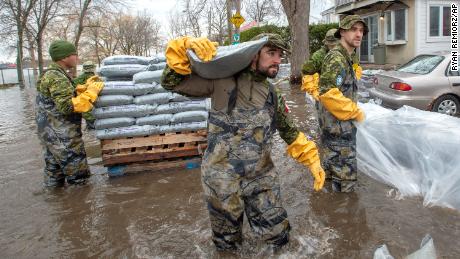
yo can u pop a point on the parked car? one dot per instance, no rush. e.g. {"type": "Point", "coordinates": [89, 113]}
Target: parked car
{"type": "Point", "coordinates": [426, 82]}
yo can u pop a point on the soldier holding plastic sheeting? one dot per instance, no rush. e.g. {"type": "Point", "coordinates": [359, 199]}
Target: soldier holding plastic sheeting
{"type": "Point", "coordinates": [338, 105]}
{"type": "Point", "coordinates": [88, 72]}
{"type": "Point", "coordinates": [59, 108]}
{"type": "Point", "coordinates": [238, 174]}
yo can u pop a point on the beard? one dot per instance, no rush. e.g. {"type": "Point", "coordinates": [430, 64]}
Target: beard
{"type": "Point", "coordinates": [265, 71]}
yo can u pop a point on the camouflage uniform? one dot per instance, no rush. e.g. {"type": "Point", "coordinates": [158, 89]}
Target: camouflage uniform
{"type": "Point", "coordinates": [238, 175]}
{"type": "Point", "coordinates": [59, 129]}
{"type": "Point", "coordinates": [88, 71]}
{"type": "Point", "coordinates": [314, 64]}
{"type": "Point", "coordinates": [338, 138]}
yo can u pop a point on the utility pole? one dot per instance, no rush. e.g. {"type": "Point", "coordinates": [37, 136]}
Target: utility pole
{"type": "Point", "coordinates": [229, 22]}
{"type": "Point", "coordinates": [236, 19]}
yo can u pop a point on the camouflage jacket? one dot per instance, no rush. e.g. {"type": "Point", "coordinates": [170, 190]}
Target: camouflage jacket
{"type": "Point", "coordinates": [337, 72]}
{"type": "Point", "coordinates": [56, 84]}
{"type": "Point", "coordinates": [252, 92]}
{"type": "Point", "coordinates": [81, 79]}
{"type": "Point", "coordinates": [313, 65]}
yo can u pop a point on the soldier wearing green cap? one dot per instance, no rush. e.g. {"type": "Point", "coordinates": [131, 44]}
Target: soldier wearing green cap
{"type": "Point", "coordinates": [88, 71]}
{"type": "Point", "coordinates": [59, 127]}
{"type": "Point", "coordinates": [238, 174]}
{"type": "Point", "coordinates": [313, 65]}
{"type": "Point", "coordinates": [338, 105]}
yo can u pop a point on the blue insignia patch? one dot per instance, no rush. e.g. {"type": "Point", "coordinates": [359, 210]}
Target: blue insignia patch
{"type": "Point", "coordinates": [339, 80]}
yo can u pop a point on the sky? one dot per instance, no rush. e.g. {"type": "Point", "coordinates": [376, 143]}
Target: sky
{"type": "Point", "coordinates": [160, 9]}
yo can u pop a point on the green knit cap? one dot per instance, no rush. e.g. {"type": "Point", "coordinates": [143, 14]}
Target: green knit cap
{"type": "Point", "coordinates": [60, 49]}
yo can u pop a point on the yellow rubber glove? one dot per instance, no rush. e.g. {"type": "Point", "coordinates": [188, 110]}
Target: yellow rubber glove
{"type": "Point", "coordinates": [176, 56]}
{"type": "Point", "coordinates": [340, 106]}
{"type": "Point", "coordinates": [84, 101]}
{"type": "Point", "coordinates": [80, 89]}
{"type": "Point", "coordinates": [310, 85]}
{"type": "Point", "coordinates": [305, 152]}
{"type": "Point", "coordinates": [358, 71]}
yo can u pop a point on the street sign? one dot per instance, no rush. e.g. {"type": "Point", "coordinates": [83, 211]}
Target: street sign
{"type": "Point", "coordinates": [236, 37]}
{"type": "Point", "coordinates": [237, 20]}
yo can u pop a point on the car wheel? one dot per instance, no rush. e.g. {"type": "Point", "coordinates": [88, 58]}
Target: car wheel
{"type": "Point", "coordinates": [447, 104]}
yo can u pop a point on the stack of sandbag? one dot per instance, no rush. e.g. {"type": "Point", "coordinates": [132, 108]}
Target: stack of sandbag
{"type": "Point", "coordinates": [129, 109]}
{"type": "Point", "coordinates": [153, 71]}
{"type": "Point", "coordinates": [122, 67]}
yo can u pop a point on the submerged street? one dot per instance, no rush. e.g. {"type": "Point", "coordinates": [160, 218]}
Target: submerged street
{"type": "Point", "coordinates": [163, 215]}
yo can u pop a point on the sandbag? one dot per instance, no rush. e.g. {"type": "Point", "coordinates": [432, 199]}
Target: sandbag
{"type": "Point", "coordinates": [146, 130]}
{"type": "Point", "coordinates": [114, 123]}
{"type": "Point", "coordinates": [160, 119]}
{"type": "Point", "coordinates": [121, 71]}
{"type": "Point", "coordinates": [130, 110]}
{"type": "Point", "coordinates": [179, 98]}
{"type": "Point", "coordinates": [132, 89]}
{"type": "Point", "coordinates": [155, 67]}
{"type": "Point", "coordinates": [158, 98]}
{"type": "Point", "coordinates": [189, 116]}
{"type": "Point", "coordinates": [228, 61]}
{"type": "Point", "coordinates": [412, 150]}
{"type": "Point", "coordinates": [159, 58]}
{"type": "Point", "coordinates": [148, 77]}
{"type": "Point", "coordinates": [113, 100]}
{"type": "Point", "coordinates": [203, 105]}
{"type": "Point", "coordinates": [125, 59]}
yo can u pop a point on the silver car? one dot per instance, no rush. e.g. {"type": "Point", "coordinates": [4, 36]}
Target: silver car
{"type": "Point", "coordinates": [426, 82]}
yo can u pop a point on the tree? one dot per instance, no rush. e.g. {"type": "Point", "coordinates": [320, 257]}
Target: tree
{"type": "Point", "coordinates": [18, 11]}
{"type": "Point", "coordinates": [261, 10]}
{"type": "Point", "coordinates": [298, 12]}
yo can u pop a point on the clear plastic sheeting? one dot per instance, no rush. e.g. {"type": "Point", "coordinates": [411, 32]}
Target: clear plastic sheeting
{"type": "Point", "coordinates": [131, 89]}
{"type": "Point", "coordinates": [415, 151]}
{"type": "Point", "coordinates": [426, 251]}
{"type": "Point", "coordinates": [121, 71]}
{"type": "Point", "coordinates": [130, 110]}
{"type": "Point", "coordinates": [125, 59]}
{"type": "Point", "coordinates": [114, 123]}
{"type": "Point", "coordinates": [228, 61]}
{"type": "Point", "coordinates": [113, 100]}
{"type": "Point", "coordinates": [146, 130]}
{"type": "Point", "coordinates": [148, 77]}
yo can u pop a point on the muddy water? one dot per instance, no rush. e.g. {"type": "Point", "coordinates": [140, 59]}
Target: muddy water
{"type": "Point", "coordinates": [162, 214]}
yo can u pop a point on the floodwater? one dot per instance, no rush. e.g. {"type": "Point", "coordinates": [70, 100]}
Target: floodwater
{"type": "Point", "coordinates": [162, 214]}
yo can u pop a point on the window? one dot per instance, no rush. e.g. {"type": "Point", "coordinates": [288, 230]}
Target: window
{"type": "Point", "coordinates": [396, 26]}
{"type": "Point", "coordinates": [422, 64]}
{"type": "Point", "coordinates": [439, 17]}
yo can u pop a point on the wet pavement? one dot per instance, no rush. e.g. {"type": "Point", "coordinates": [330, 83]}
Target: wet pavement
{"type": "Point", "coordinates": [162, 214]}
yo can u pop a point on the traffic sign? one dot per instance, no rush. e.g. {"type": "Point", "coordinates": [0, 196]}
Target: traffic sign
{"type": "Point", "coordinates": [236, 37]}
{"type": "Point", "coordinates": [237, 20]}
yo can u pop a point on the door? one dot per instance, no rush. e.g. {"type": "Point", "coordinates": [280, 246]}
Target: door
{"type": "Point", "coordinates": [369, 40]}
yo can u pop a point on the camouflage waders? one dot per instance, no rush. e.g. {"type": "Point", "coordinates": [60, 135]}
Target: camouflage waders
{"type": "Point", "coordinates": [65, 156]}
{"type": "Point", "coordinates": [238, 176]}
{"type": "Point", "coordinates": [338, 138]}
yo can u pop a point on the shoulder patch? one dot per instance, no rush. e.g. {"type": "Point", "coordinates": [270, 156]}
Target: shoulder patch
{"type": "Point", "coordinates": [339, 80]}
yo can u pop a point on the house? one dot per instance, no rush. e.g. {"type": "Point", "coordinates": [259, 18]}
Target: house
{"type": "Point", "coordinates": [406, 27]}
{"type": "Point", "coordinates": [329, 16]}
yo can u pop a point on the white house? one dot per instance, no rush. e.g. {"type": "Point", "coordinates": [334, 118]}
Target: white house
{"type": "Point", "coordinates": [406, 27]}
{"type": "Point", "coordinates": [329, 16]}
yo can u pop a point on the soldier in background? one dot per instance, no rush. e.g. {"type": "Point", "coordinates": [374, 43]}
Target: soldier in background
{"type": "Point", "coordinates": [338, 107]}
{"type": "Point", "coordinates": [88, 71]}
{"type": "Point", "coordinates": [238, 174]}
{"type": "Point", "coordinates": [58, 117]}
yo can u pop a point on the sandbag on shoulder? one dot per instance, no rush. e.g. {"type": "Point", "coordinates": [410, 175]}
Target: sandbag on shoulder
{"type": "Point", "coordinates": [228, 61]}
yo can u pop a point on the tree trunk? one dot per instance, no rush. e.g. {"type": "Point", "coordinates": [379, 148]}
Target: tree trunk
{"type": "Point", "coordinates": [19, 57]}
{"type": "Point", "coordinates": [298, 14]}
{"type": "Point", "coordinates": [80, 28]}
{"type": "Point", "coordinates": [33, 58]}
{"type": "Point", "coordinates": [40, 52]}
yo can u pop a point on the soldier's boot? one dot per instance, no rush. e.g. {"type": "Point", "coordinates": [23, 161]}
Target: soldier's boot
{"type": "Point", "coordinates": [78, 178]}
{"type": "Point", "coordinates": [53, 182]}
{"type": "Point", "coordinates": [343, 185]}
{"type": "Point", "coordinates": [53, 175]}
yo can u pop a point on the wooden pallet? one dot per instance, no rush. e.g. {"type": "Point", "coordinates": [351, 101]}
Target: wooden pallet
{"type": "Point", "coordinates": [156, 148]}
{"type": "Point", "coordinates": [149, 166]}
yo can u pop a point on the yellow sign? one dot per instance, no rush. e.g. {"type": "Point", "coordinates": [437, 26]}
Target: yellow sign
{"type": "Point", "coordinates": [237, 20]}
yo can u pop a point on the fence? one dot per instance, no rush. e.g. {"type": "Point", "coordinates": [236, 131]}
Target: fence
{"type": "Point", "coordinates": [9, 76]}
